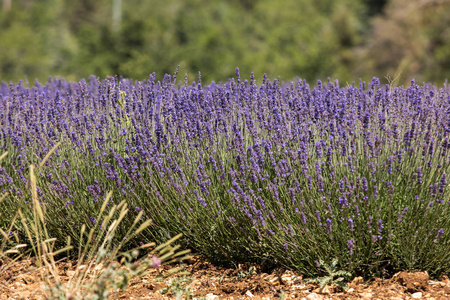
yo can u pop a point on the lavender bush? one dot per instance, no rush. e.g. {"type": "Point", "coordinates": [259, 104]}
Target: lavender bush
{"type": "Point", "coordinates": [277, 173]}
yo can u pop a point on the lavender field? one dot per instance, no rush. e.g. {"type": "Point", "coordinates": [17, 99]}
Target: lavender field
{"type": "Point", "coordinates": [259, 170]}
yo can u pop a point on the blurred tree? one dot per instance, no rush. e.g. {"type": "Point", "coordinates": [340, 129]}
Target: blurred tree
{"type": "Point", "coordinates": [6, 5]}
{"type": "Point", "coordinates": [437, 29]}
{"type": "Point", "coordinates": [311, 39]}
{"type": "Point", "coordinates": [30, 39]}
{"type": "Point", "coordinates": [375, 7]}
{"type": "Point", "coordinates": [214, 37]}
{"type": "Point", "coordinates": [411, 40]}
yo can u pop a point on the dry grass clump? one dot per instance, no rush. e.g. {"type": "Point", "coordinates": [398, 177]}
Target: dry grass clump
{"type": "Point", "coordinates": [101, 268]}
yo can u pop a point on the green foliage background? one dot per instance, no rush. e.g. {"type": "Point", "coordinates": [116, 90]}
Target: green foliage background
{"type": "Point", "coordinates": [312, 39]}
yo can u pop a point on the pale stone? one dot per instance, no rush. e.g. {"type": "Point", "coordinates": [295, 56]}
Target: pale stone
{"type": "Point", "coordinates": [249, 294]}
{"type": "Point", "coordinates": [298, 286]}
{"type": "Point", "coordinates": [25, 294]}
{"type": "Point", "coordinates": [274, 281]}
{"type": "Point", "coordinates": [417, 295]}
{"type": "Point", "coordinates": [267, 277]}
{"type": "Point", "coordinates": [314, 296]}
{"type": "Point", "coordinates": [357, 280]}
{"type": "Point", "coordinates": [298, 279]}
{"type": "Point", "coordinates": [328, 290]}
{"type": "Point", "coordinates": [351, 290]}
{"type": "Point", "coordinates": [212, 297]}
{"type": "Point", "coordinates": [157, 286]}
{"type": "Point", "coordinates": [287, 280]}
{"type": "Point", "coordinates": [196, 282]}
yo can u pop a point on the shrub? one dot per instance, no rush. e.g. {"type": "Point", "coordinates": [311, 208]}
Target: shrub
{"type": "Point", "coordinates": [275, 173]}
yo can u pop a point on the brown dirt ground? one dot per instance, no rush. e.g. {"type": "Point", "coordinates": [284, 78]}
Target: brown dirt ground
{"type": "Point", "coordinates": [213, 283]}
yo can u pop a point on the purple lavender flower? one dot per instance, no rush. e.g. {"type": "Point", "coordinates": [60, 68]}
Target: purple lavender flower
{"type": "Point", "coordinates": [357, 210]}
{"type": "Point", "coordinates": [320, 183]}
{"type": "Point", "coordinates": [364, 184]}
{"type": "Point", "coordinates": [291, 231]}
{"type": "Point", "coordinates": [443, 183]}
{"type": "Point", "coordinates": [400, 218]}
{"type": "Point", "coordinates": [303, 217]}
{"type": "Point", "coordinates": [380, 226]}
{"type": "Point", "coordinates": [318, 216]}
{"type": "Point", "coordinates": [439, 235]}
{"type": "Point", "coordinates": [342, 203]}
{"type": "Point", "coordinates": [369, 223]}
{"type": "Point", "coordinates": [419, 175]}
{"type": "Point", "coordinates": [350, 224]}
{"type": "Point", "coordinates": [351, 245]}
{"type": "Point", "coordinates": [328, 226]}
{"type": "Point", "coordinates": [92, 219]}
{"type": "Point", "coordinates": [156, 262]}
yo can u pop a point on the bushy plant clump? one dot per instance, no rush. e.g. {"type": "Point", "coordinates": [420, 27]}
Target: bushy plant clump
{"type": "Point", "coordinates": [277, 173]}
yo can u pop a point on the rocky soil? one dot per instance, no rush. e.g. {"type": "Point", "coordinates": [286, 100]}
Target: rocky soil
{"type": "Point", "coordinates": [246, 282]}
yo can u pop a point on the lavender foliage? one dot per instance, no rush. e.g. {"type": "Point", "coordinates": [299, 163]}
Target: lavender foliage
{"type": "Point", "coordinates": [277, 171]}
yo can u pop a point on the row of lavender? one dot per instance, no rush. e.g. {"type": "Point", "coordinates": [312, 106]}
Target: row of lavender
{"type": "Point", "coordinates": [278, 173]}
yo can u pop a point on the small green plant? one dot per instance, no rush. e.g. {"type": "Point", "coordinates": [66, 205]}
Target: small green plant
{"type": "Point", "coordinates": [332, 274]}
{"type": "Point", "coordinates": [243, 275]}
{"type": "Point", "coordinates": [240, 276]}
{"type": "Point", "coordinates": [179, 287]}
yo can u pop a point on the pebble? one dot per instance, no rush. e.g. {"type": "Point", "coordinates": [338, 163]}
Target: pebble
{"type": "Point", "coordinates": [274, 281]}
{"type": "Point", "coordinates": [366, 295]}
{"type": "Point", "coordinates": [289, 278]}
{"type": "Point", "coordinates": [249, 294]}
{"type": "Point", "coordinates": [212, 297]}
{"type": "Point", "coordinates": [298, 287]}
{"type": "Point", "coordinates": [357, 280]}
{"type": "Point", "coordinates": [313, 296]}
{"type": "Point", "coordinates": [417, 295]}
{"type": "Point", "coordinates": [328, 290]}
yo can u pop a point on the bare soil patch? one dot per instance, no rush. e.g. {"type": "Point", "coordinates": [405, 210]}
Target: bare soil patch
{"type": "Point", "coordinates": [22, 281]}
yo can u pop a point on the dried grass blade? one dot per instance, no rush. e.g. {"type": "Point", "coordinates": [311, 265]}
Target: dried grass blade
{"type": "Point", "coordinates": [3, 156]}
{"type": "Point", "coordinates": [49, 154]}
